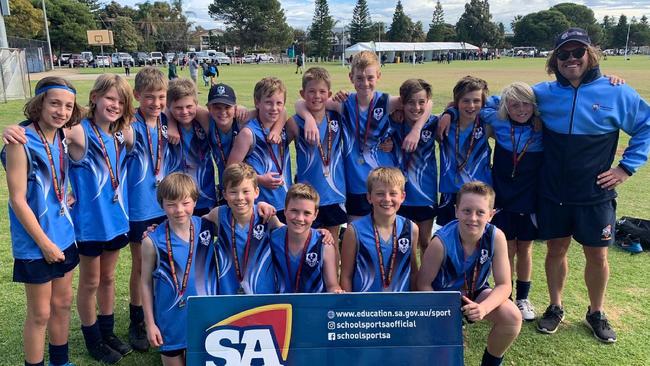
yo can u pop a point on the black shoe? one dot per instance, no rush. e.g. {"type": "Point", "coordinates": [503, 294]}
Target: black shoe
{"type": "Point", "coordinates": [551, 319]}
{"type": "Point", "coordinates": [103, 353]}
{"type": "Point", "coordinates": [117, 344]}
{"type": "Point", "coordinates": [138, 337]}
{"type": "Point", "coordinates": [599, 325]}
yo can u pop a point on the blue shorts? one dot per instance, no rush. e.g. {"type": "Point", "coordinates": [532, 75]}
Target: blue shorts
{"type": "Point", "coordinates": [417, 213]}
{"type": "Point", "coordinates": [137, 228]}
{"type": "Point", "coordinates": [96, 248]}
{"type": "Point", "coordinates": [516, 226]}
{"type": "Point", "coordinates": [330, 215]}
{"type": "Point", "coordinates": [590, 225]}
{"type": "Point", "coordinates": [446, 211]}
{"type": "Point", "coordinates": [357, 204]}
{"type": "Point", "coordinates": [38, 271]}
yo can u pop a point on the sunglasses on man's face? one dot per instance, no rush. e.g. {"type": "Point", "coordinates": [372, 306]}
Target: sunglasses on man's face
{"type": "Point", "coordinates": [563, 55]}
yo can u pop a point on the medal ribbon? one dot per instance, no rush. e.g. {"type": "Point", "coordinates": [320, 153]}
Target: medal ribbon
{"type": "Point", "coordinates": [303, 258]}
{"type": "Point", "coordinates": [158, 158]}
{"type": "Point", "coordinates": [330, 138]}
{"type": "Point", "coordinates": [180, 289]}
{"type": "Point", "coordinates": [269, 147]}
{"type": "Point", "coordinates": [58, 185]}
{"type": "Point", "coordinates": [365, 135]}
{"type": "Point", "coordinates": [516, 158]}
{"type": "Point", "coordinates": [462, 165]}
{"type": "Point", "coordinates": [386, 279]}
{"type": "Point", "coordinates": [115, 176]}
{"type": "Point", "coordinates": [470, 287]}
{"type": "Point", "coordinates": [238, 268]}
{"type": "Point", "coordinates": [220, 146]}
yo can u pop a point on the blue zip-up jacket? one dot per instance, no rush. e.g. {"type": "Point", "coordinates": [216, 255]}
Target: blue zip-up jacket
{"type": "Point", "coordinates": [581, 128]}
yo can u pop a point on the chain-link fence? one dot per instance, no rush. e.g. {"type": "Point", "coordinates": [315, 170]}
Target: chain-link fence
{"type": "Point", "coordinates": [14, 78]}
{"type": "Point", "coordinates": [36, 52]}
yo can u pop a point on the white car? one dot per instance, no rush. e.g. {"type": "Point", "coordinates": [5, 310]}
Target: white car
{"type": "Point", "coordinates": [265, 58]}
{"type": "Point", "coordinates": [103, 61]}
{"type": "Point", "coordinates": [221, 58]}
{"type": "Point", "coordinates": [156, 57]}
{"type": "Point", "coordinates": [249, 59]}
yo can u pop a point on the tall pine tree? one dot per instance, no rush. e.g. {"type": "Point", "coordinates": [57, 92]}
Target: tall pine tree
{"type": "Point", "coordinates": [400, 28]}
{"type": "Point", "coordinates": [361, 24]}
{"type": "Point", "coordinates": [437, 26]}
{"type": "Point", "coordinates": [320, 32]}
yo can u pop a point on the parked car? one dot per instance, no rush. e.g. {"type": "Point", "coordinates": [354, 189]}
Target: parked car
{"type": "Point", "coordinates": [119, 59]}
{"type": "Point", "coordinates": [142, 59]}
{"type": "Point", "coordinates": [202, 56]}
{"type": "Point", "coordinates": [156, 57]}
{"type": "Point", "coordinates": [88, 56]}
{"type": "Point", "coordinates": [265, 58]}
{"type": "Point", "coordinates": [77, 60]}
{"type": "Point", "coordinates": [103, 61]}
{"type": "Point", "coordinates": [169, 56]}
{"type": "Point", "coordinates": [221, 58]}
{"type": "Point", "coordinates": [249, 59]}
{"type": "Point", "coordinates": [64, 58]}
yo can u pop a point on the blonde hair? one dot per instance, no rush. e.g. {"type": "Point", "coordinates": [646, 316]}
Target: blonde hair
{"type": "Point", "coordinates": [593, 59]}
{"type": "Point", "coordinates": [413, 86]}
{"type": "Point", "coordinates": [177, 186]}
{"type": "Point", "coordinates": [469, 84]}
{"type": "Point", "coordinates": [181, 88]}
{"type": "Point", "coordinates": [478, 188]}
{"type": "Point", "coordinates": [150, 79]}
{"type": "Point", "coordinates": [103, 84]}
{"type": "Point", "coordinates": [363, 60]}
{"type": "Point", "coordinates": [519, 92]}
{"type": "Point", "coordinates": [302, 191]}
{"type": "Point", "coordinates": [33, 108]}
{"type": "Point", "coordinates": [267, 87]}
{"type": "Point", "coordinates": [316, 74]}
{"type": "Point", "coordinates": [389, 176]}
{"type": "Point", "coordinates": [235, 174]}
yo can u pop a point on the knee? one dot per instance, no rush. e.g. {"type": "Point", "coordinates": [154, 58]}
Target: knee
{"type": "Point", "coordinates": [107, 279]}
{"type": "Point", "coordinates": [38, 317]}
{"type": "Point", "coordinates": [596, 256]}
{"type": "Point", "coordinates": [508, 318]}
{"type": "Point", "coordinates": [62, 302]}
{"type": "Point", "coordinates": [89, 284]}
{"type": "Point", "coordinates": [557, 251]}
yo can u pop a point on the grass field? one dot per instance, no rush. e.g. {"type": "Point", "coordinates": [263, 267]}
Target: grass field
{"type": "Point", "coordinates": [626, 306]}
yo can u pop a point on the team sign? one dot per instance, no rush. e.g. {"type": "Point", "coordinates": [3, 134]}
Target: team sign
{"type": "Point", "coordinates": [325, 329]}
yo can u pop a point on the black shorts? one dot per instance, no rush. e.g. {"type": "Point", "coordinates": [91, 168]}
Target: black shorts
{"type": "Point", "coordinates": [137, 228]}
{"type": "Point", "coordinates": [417, 213]}
{"type": "Point", "coordinates": [446, 211]}
{"type": "Point", "coordinates": [330, 215]}
{"type": "Point", "coordinates": [357, 204]}
{"type": "Point", "coordinates": [590, 225]}
{"type": "Point", "coordinates": [38, 271]}
{"type": "Point", "coordinates": [173, 353]}
{"type": "Point", "coordinates": [96, 248]}
{"type": "Point", "coordinates": [516, 226]}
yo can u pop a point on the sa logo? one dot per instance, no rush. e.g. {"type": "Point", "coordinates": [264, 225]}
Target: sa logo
{"type": "Point", "coordinates": [262, 333]}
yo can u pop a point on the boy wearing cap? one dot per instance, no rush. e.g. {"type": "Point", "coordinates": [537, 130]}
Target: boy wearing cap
{"type": "Point", "coordinates": [577, 187]}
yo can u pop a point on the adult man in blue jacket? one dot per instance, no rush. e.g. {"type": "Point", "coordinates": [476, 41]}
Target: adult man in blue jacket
{"type": "Point", "coordinates": [582, 116]}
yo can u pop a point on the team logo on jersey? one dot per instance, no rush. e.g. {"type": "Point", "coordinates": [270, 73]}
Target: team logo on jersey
{"type": "Point", "coordinates": [234, 133]}
{"type": "Point", "coordinates": [606, 234]}
{"type": "Point", "coordinates": [426, 136]}
{"type": "Point", "coordinates": [262, 333]}
{"type": "Point", "coordinates": [311, 259]}
{"type": "Point", "coordinates": [403, 245]}
{"type": "Point", "coordinates": [378, 113]}
{"type": "Point", "coordinates": [119, 136]}
{"type": "Point", "coordinates": [200, 132]}
{"type": "Point", "coordinates": [258, 232]}
{"type": "Point", "coordinates": [221, 90]}
{"type": "Point", "coordinates": [595, 107]}
{"type": "Point", "coordinates": [478, 133]}
{"type": "Point", "coordinates": [334, 126]}
{"type": "Point", "coordinates": [484, 256]}
{"type": "Point", "coordinates": [163, 128]}
{"type": "Point", "coordinates": [204, 237]}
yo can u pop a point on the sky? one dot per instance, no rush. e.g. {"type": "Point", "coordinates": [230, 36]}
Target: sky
{"type": "Point", "coordinates": [299, 13]}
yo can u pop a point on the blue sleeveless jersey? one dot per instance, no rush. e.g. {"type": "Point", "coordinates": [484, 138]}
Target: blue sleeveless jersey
{"type": "Point", "coordinates": [331, 188]}
{"type": "Point", "coordinates": [95, 215]}
{"type": "Point", "coordinates": [143, 204]}
{"type": "Point", "coordinates": [478, 164]}
{"type": "Point", "coordinates": [360, 160]}
{"type": "Point", "coordinates": [258, 276]}
{"type": "Point", "coordinates": [311, 274]}
{"type": "Point", "coordinates": [260, 159]}
{"type": "Point", "coordinates": [367, 275]}
{"type": "Point", "coordinates": [220, 153]}
{"type": "Point", "coordinates": [41, 198]}
{"type": "Point", "coordinates": [171, 318]}
{"type": "Point", "coordinates": [193, 152]}
{"type": "Point", "coordinates": [516, 189]}
{"type": "Point", "coordinates": [455, 268]}
{"type": "Point", "coordinates": [419, 167]}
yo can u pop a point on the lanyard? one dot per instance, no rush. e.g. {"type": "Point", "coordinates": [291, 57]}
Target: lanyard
{"type": "Point", "coordinates": [302, 258]}
{"type": "Point", "coordinates": [461, 166]}
{"type": "Point", "coordinates": [516, 158]}
{"type": "Point", "coordinates": [470, 287]}
{"type": "Point", "coordinates": [278, 165]}
{"type": "Point", "coordinates": [386, 279]}
{"type": "Point", "coordinates": [238, 269]}
{"type": "Point", "coordinates": [326, 158]}
{"type": "Point", "coordinates": [180, 289]}
{"type": "Point", "coordinates": [365, 134]}
{"type": "Point", "coordinates": [58, 185]}
{"type": "Point", "coordinates": [115, 176]}
{"type": "Point", "coordinates": [158, 157]}
{"type": "Point", "coordinates": [222, 152]}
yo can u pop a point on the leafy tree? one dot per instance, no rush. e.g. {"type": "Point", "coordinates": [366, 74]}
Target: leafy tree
{"type": "Point", "coordinates": [437, 26]}
{"type": "Point", "coordinates": [582, 17]}
{"type": "Point", "coordinates": [69, 21]}
{"type": "Point", "coordinates": [113, 10]}
{"type": "Point", "coordinates": [361, 24]}
{"type": "Point", "coordinates": [400, 27]}
{"type": "Point", "coordinates": [619, 34]}
{"type": "Point", "coordinates": [607, 26]}
{"type": "Point", "coordinates": [539, 29]}
{"type": "Point", "coordinates": [25, 20]}
{"type": "Point", "coordinates": [125, 35]}
{"type": "Point", "coordinates": [475, 24]}
{"type": "Point", "coordinates": [253, 23]}
{"type": "Point", "coordinates": [640, 32]}
{"type": "Point", "coordinates": [417, 32]}
{"type": "Point", "coordinates": [320, 32]}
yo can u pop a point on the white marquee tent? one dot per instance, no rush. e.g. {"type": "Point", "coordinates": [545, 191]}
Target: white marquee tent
{"type": "Point", "coordinates": [426, 49]}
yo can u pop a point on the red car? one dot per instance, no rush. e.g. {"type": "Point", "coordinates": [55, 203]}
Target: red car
{"type": "Point", "coordinates": [76, 60]}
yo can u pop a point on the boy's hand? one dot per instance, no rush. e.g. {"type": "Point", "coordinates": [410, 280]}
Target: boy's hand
{"type": "Point", "coordinates": [397, 116]}
{"type": "Point", "coordinates": [271, 180]}
{"type": "Point", "coordinates": [173, 137]}
{"type": "Point", "coordinates": [339, 291]}
{"type": "Point", "coordinates": [14, 134]}
{"type": "Point", "coordinates": [241, 113]}
{"type": "Point", "coordinates": [411, 140]}
{"type": "Point", "coordinates": [387, 146]}
{"type": "Point", "coordinates": [472, 310]}
{"type": "Point", "coordinates": [274, 137]}
{"type": "Point", "coordinates": [52, 253]}
{"type": "Point", "coordinates": [265, 210]}
{"type": "Point", "coordinates": [311, 131]}
{"type": "Point", "coordinates": [70, 200]}
{"type": "Point", "coordinates": [341, 96]}
{"type": "Point", "coordinates": [444, 121]}
{"type": "Point", "coordinates": [328, 239]}
{"type": "Point", "coordinates": [153, 335]}
{"type": "Point", "coordinates": [150, 230]}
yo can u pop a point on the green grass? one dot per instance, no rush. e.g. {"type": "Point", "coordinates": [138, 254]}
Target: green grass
{"type": "Point", "coordinates": [627, 306]}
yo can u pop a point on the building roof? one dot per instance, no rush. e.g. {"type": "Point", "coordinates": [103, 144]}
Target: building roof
{"type": "Point", "coordinates": [409, 46]}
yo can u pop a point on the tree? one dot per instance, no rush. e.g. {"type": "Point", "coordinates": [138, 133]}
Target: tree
{"type": "Point", "coordinates": [540, 29]}
{"type": "Point", "coordinates": [582, 17]}
{"type": "Point", "coordinates": [361, 24]}
{"type": "Point", "coordinates": [619, 35]}
{"type": "Point", "coordinates": [125, 35]}
{"type": "Point", "coordinates": [436, 28]}
{"type": "Point", "coordinates": [25, 20]}
{"type": "Point", "coordinates": [320, 32]}
{"type": "Point", "coordinates": [608, 25]}
{"type": "Point", "coordinates": [417, 32]}
{"type": "Point", "coordinates": [400, 27]}
{"type": "Point", "coordinates": [253, 23]}
{"type": "Point", "coordinates": [69, 21]}
{"type": "Point", "coordinates": [475, 25]}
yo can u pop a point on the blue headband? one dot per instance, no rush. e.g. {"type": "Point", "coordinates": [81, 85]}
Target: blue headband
{"type": "Point", "coordinates": [46, 88]}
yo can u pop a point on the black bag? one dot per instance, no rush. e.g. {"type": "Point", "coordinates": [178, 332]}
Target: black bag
{"type": "Point", "coordinates": [634, 230]}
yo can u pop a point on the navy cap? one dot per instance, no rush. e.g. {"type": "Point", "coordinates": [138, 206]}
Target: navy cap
{"type": "Point", "coordinates": [222, 93]}
{"type": "Point", "coordinates": [572, 35]}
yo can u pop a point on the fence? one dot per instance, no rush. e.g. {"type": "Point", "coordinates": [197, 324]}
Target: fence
{"type": "Point", "coordinates": [14, 78]}
{"type": "Point", "coordinates": [36, 52]}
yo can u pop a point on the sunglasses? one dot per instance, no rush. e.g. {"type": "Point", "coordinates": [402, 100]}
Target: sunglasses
{"type": "Point", "coordinates": [563, 55]}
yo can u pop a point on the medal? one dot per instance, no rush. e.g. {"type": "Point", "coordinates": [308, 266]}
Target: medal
{"type": "Point", "coordinates": [296, 286]}
{"type": "Point", "coordinates": [59, 188]}
{"type": "Point", "coordinates": [277, 162]}
{"type": "Point", "coordinates": [516, 158]}
{"type": "Point", "coordinates": [115, 197]}
{"type": "Point", "coordinates": [181, 304]}
{"type": "Point", "coordinates": [461, 166]}
{"type": "Point", "coordinates": [240, 291]}
{"type": "Point", "coordinates": [180, 289]}
{"type": "Point", "coordinates": [62, 211]}
{"type": "Point", "coordinates": [157, 183]}
{"type": "Point", "coordinates": [362, 145]}
{"type": "Point", "coordinates": [386, 278]}
{"type": "Point", "coordinates": [240, 269]}
{"type": "Point", "coordinates": [326, 158]}
{"type": "Point", "coordinates": [158, 159]}
{"type": "Point", "coordinates": [115, 176]}
{"type": "Point", "coordinates": [326, 171]}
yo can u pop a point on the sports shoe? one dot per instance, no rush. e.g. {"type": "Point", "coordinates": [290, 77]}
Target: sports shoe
{"type": "Point", "coordinates": [117, 344]}
{"type": "Point", "coordinates": [103, 353]}
{"type": "Point", "coordinates": [65, 364]}
{"type": "Point", "coordinates": [527, 309]}
{"type": "Point", "coordinates": [138, 337]}
{"type": "Point", "coordinates": [551, 319]}
{"type": "Point", "coordinates": [599, 325]}
{"type": "Point", "coordinates": [632, 246]}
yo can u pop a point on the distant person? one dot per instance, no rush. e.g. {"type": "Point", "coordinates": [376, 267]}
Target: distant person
{"type": "Point", "coordinates": [172, 73]}
{"type": "Point", "coordinates": [127, 68]}
{"type": "Point", "coordinates": [206, 72]}
{"type": "Point", "coordinates": [383, 60]}
{"type": "Point", "coordinates": [193, 66]}
{"type": "Point", "coordinates": [213, 72]}
{"type": "Point", "coordinates": [299, 63]}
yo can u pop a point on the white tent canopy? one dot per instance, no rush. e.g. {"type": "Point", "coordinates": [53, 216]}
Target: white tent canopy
{"type": "Point", "coordinates": [426, 49]}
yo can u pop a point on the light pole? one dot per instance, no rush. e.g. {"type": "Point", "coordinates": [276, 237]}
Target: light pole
{"type": "Point", "coordinates": [627, 39]}
{"type": "Point", "coordinates": [47, 33]}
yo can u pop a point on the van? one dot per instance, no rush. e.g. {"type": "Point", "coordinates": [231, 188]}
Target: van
{"type": "Point", "coordinates": [88, 56]}
{"type": "Point", "coordinates": [156, 57]}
